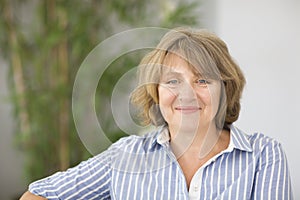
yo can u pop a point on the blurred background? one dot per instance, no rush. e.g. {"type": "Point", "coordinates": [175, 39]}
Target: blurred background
{"type": "Point", "coordinates": [44, 42]}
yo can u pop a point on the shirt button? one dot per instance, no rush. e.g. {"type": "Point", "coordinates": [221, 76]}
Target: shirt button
{"type": "Point", "coordinates": [196, 188]}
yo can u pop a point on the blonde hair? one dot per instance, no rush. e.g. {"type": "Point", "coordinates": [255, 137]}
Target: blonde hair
{"type": "Point", "coordinates": [207, 54]}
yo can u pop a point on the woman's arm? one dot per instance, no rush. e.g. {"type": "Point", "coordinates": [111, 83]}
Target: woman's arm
{"type": "Point", "coordinates": [272, 179]}
{"type": "Point", "coordinates": [29, 196]}
{"type": "Point", "coordinates": [90, 179]}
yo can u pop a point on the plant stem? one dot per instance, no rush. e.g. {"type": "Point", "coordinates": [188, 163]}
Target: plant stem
{"type": "Point", "coordinates": [64, 104]}
{"type": "Point", "coordinates": [16, 64]}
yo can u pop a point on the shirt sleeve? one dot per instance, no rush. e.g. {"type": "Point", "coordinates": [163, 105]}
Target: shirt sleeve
{"type": "Point", "coordinates": [88, 180]}
{"type": "Point", "coordinates": [272, 179]}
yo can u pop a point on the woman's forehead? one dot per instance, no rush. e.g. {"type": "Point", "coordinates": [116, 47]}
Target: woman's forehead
{"type": "Point", "coordinates": [176, 63]}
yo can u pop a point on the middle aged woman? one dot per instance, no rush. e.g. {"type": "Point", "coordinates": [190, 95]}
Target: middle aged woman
{"type": "Point", "coordinates": [196, 99]}
{"type": "Point", "coordinates": [190, 88]}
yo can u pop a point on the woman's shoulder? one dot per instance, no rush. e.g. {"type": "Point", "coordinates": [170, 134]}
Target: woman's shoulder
{"type": "Point", "coordinates": [138, 141]}
{"type": "Point", "coordinates": [259, 141]}
{"type": "Point", "coordinates": [266, 147]}
{"type": "Point", "coordinates": [132, 154]}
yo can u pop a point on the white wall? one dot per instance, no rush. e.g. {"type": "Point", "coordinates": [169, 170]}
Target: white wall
{"type": "Point", "coordinates": [264, 38]}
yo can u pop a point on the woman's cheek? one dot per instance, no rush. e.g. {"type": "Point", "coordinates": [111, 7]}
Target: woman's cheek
{"type": "Point", "coordinates": [166, 99]}
{"type": "Point", "coordinates": [205, 97]}
{"type": "Point", "coordinates": [166, 96]}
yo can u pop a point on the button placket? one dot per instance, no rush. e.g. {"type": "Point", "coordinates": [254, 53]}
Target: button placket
{"type": "Point", "coordinates": [196, 188]}
{"type": "Point", "coordinates": [195, 184]}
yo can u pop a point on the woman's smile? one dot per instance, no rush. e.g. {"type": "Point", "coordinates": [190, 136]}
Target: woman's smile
{"type": "Point", "coordinates": [187, 109]}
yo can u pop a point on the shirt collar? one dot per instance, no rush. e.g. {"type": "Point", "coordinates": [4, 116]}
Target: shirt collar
{"type": "Point", "coordinates": [163, 136]}
{"type": "Point", "coordinates": [238, 139]}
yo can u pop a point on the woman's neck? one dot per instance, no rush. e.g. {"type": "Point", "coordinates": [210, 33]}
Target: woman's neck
{"type": "Point", "coordinates": [200, 141]}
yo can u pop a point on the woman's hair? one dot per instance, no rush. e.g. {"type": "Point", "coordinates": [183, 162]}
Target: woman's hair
{"type": "Point", "coordinates": [206, 54]}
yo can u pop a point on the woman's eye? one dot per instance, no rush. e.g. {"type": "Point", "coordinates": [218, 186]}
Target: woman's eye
{"type": "Point", "coordinates": [202, 81]}
{"type": "Point", "coordinates": [172, 82]}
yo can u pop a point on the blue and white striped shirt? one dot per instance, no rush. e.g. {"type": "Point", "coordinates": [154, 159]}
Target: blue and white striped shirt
{"type": "Point", "coordinates": [144, 167]}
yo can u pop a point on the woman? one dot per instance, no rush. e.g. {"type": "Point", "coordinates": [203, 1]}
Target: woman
{"type": "Point", "coordinates": [190, 89]}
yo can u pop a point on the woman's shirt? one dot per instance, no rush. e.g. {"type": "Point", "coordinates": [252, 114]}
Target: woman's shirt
{"type": "Point", "coordinates": [144, 167]}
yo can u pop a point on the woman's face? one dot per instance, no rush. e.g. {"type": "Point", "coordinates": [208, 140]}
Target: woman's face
{"type": "Point", "coordinates": [187, 101]}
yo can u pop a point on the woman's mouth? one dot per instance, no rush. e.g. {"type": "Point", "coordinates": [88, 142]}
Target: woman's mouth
{"type": "Point", "coordinates": [187, 109]}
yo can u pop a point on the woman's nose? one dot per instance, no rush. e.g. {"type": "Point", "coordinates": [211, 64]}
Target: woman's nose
{"type": "Point", "coordinates": [186, 93]}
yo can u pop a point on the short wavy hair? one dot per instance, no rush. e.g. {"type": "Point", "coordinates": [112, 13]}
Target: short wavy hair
{"type": "Point", "coordinates": [206, 53]}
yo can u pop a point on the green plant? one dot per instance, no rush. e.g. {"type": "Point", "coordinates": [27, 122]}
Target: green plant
{"type": "Point", "coordinates": [45, 42]}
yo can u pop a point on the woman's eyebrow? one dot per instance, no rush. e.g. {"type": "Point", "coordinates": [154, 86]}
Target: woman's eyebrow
{"type": "Point", "coordinates": [171, 73]}
{"type": "Point", "coordinates": [197, 75]}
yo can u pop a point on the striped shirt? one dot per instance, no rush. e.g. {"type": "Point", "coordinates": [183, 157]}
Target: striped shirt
{"type": "Point", "coordinates": [144, 167]}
